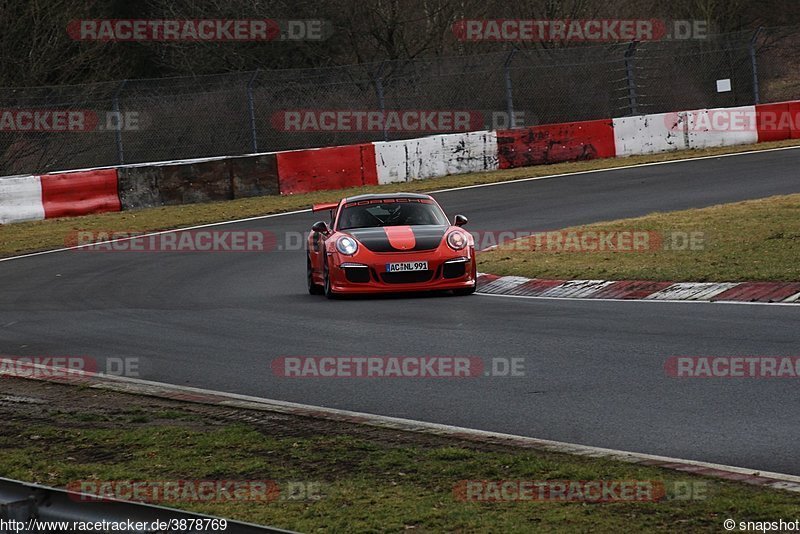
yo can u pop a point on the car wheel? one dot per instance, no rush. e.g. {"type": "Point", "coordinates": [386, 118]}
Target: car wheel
{"type": "Point", "coordinates": [465, 290]}
{"type": "Point", "coordinates": [327, 287]}
{"type": "Point", "coordinates": [313, 288]}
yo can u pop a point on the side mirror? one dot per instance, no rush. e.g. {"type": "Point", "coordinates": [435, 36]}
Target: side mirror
{"type": "Point", "coordinates": [320, 227]}
{"type": "Point", "coordinates": [460, 220]}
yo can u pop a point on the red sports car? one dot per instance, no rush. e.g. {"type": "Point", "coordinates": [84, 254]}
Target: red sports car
{"type": "Point", "coordinates": [389, 243]}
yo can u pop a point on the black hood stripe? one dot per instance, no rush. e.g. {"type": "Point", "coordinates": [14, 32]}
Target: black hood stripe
{"type": "Point", "coordinates": [376, 240]}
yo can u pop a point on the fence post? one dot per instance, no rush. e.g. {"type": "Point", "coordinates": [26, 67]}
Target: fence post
{"type": "Point", "coordinates": [251, 108]}
{"type": "Point", "coordinates": [118, 129]}
{"type": "Point", "coordinates": [381, 100]}
{"type": "Point", "coordinates": [631, 77]}
{"type": "Point", "coordinates": [754, 65]}
{"type": "Point", "coordinates": [509, 92]}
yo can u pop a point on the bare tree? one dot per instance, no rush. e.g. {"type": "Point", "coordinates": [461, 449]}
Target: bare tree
{"type": "Point", "coordinates": [37, 50]}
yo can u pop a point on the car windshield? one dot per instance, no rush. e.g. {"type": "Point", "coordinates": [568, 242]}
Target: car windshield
{"type": "Point", "coordinates": [412, 212]}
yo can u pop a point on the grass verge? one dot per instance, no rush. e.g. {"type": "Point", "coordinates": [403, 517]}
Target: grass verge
{"type": "Point", "coordinates": [755, 240]}
{"type": "Point", "coordinates": [35, 236]}
{"type": "Point", "coordinates": [371, 480]}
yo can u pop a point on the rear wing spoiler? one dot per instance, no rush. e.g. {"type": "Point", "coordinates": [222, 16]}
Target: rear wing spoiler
{"type": "Point", "coordinates": [324, 206]}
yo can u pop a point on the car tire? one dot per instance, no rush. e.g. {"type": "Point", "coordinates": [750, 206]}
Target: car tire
{"type": "Point", "coordinates": [313, 288]}
{"type": "Point", "coordinates": [326, 289]}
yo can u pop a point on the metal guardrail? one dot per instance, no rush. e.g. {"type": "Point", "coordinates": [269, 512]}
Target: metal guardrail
{"type": "Point", "coordinates": [23, 502]}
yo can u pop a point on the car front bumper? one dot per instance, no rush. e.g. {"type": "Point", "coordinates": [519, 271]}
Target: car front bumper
{"type": "Point", "coordinates": [366, 273]}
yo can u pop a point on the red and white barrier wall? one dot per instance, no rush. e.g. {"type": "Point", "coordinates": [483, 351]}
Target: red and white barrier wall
{"type": "Point", "coordinates": [318, 169]}
{"type": "Point", "coordinates": [75, 193]}
{"type": "Point", "coordinates": [437, 155]}
{"type": "Point", "coordinates": [554, 143]}
{"type": "Point", "coordinates": [20, 199]}
{"type": "Point", "coordinates": [776, 122]}
{"type": "Point", "coordinates": [649, 134]}
{"type": "Point", "coordinates": [67, 194]}
{"type": "Point", "coordinates": [79, 193]}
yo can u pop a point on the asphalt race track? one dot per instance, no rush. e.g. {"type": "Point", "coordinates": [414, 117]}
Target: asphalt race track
{"type": "Point", "coordinates": [594, 370]}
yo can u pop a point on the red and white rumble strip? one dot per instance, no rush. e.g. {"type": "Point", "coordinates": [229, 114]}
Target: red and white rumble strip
{"type": "Point", "coordinates": [755, 292]}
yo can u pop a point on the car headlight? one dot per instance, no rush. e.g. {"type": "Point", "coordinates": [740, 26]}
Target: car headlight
{"type": "Point", "coordinates": [456, 240]}
{"type": "Point", "coordinates": [347, 245]}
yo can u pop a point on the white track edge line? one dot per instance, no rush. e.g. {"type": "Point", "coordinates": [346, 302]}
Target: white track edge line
{"type": "Point", "coordinates": [140, 236]}
{"type": "Point", "coordinates": [631, 166]}
{"type": "Point", "coordinates": [574, 448]}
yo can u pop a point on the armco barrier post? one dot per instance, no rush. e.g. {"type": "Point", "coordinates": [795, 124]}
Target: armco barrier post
{"type": "Point", "coordinates": [754, 65]}
{"type": "Point", "coordinates": [631, 78]}
{"type": "Point", "coordinates": [509, 92]}
{"type": "Point", "coordinates": [252, 110]}
{"type": "Point", "coordinates": [118, 129]}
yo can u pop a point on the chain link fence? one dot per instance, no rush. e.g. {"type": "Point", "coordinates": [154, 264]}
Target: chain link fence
{"type": "Point", "coordinates": [134, 121]}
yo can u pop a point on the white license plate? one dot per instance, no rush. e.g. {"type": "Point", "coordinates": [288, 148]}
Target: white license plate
{"type": "Point", "coordinates": [407, 266]}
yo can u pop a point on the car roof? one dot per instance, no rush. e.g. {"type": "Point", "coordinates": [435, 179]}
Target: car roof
{"type": "Point", "coordinates": [386, 195]}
